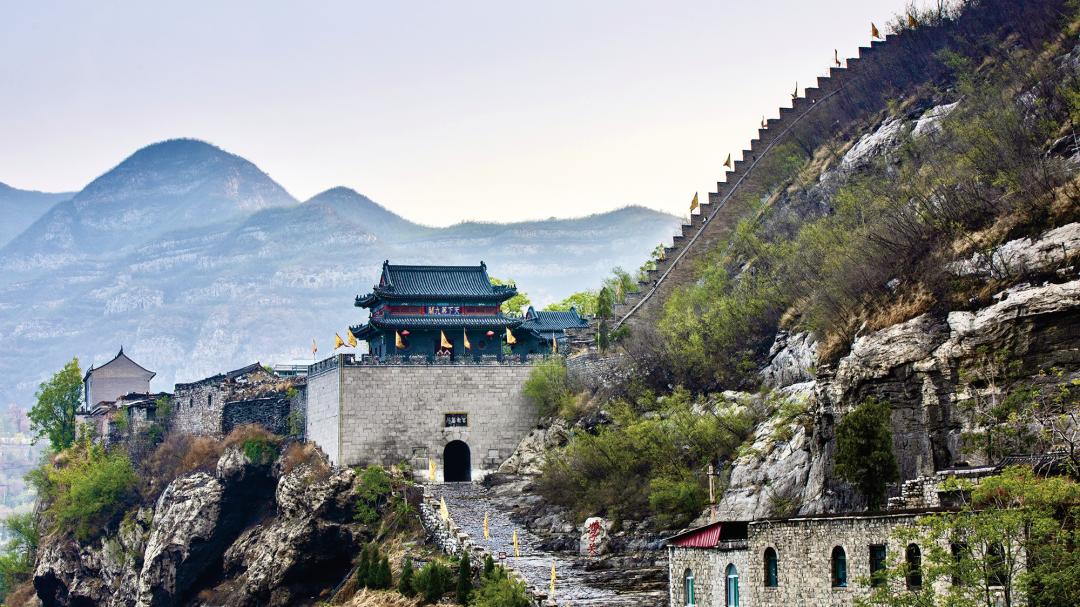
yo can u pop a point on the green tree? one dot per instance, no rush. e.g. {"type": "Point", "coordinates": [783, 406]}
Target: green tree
{"type": "Point", "coordinates": [363, 568]}
{"type": "Point", "coordinates": [604, 303]}
{"type": "Point", "coordinates": [372, 493]}
{"type": "Point", "coordinates": [464, 580]}
{"type": "Point", "coordinates": [864, 455]}
{"type": "Point", "coordinates": [432, 580]}
{"type": "Point", "coordinates": [489, 565]}
{"type": "Point", "coordinates": [498, 590]}
{"type": "Point", "coordinates": [583, 301]}
{"type": "Point", "coordinates": [1016, 535]}
{"type": "Point", "coordinates": [17, 557]}
{"type": "Point", "coordinates": [516, 304]}
{"type": "Point", "coordinates": [53, 415]}
{"type": "Point", "coordinates": [385, 579]}
{"type": "Point", "coordinates": [405, 581]}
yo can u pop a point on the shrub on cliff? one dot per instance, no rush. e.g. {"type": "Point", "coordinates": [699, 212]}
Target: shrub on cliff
{"type": "Point", "coordinates": [371, 494]}
{"type": "Point", "coordinates": [864, 455]}
{"type": "Point", "coordinates": [260, 446]}
{"type": "Point", "coordinates": [86, 488]}
{"type": "Point", "coordinates": [17, 556]}
{"type": "Point", "coordinates": [432, 581]}
{"type": "Point", "coordinates": [548, 387]}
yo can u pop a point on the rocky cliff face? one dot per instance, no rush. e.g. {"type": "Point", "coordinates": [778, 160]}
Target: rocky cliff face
{"type": "Point", "coordinates": [929, 369]}
{"type": "Point", "coordinates": [246, 534]}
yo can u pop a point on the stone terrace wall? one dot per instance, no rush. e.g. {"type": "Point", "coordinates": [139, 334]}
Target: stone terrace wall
{"type": "Point", "coordinates": [848, 95]}
{"type": "Point", "coordinates": [271, 412]}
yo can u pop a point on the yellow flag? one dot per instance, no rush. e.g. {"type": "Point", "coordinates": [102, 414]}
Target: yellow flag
{"type": "Point", "coordinates": [510, 337]}
{"type": "Point", "coordinates": [873, 31]}
{"type": "Point", "coordinates": [727, 162]}
{"type": "Point", "coordinates": [338, 342]}
{"type": "Point", "coordinates": [314, 348]}
{"type": "Point", "coordinates": [444, 512]}
{"type": "Point", "coordinates": [400, 345]}
{"type": "Point", "coordinates": [513, 539]}
{"type": "Point", "coordinates": [836, 57]}
{"type": "Point", "coordinates": [445, 343]}
{"type": "Point", "coordinates": [487, 533]}
{"type": "Point", "coordinates": [912, 21]}
{"type": "Point", "coordinates": [351, 339]}
{"type": "Point", "coordinates": [554, 344]}
{"type": "Point", "coordinates": [431, 469]}
{"type": "Point", "coordinates": [465, 336]}
{"type": "Point", "coordinates": [551, 593]}
{"type": "Point", "coordinates": [795, 94]}
{"type": "Point", "coordinates": [694, 203]}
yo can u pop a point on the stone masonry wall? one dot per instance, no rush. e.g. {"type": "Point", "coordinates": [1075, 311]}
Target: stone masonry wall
{"type": "Point", "coordinates": [394, 413]}
{"type": "Point", "coordinates": [709, 567]}
{"type": "Point", "coordinates": [270, 412]}
{"type": "Point", "coordinates": [322, 423]}
{"type": "Point", "coordinates": [197, 408]}
{"type": "Point", "coordinates": [804, 557]}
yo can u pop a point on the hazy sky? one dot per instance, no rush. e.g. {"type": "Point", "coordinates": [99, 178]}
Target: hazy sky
{"type": "Point", "coordinates": [440, 110]}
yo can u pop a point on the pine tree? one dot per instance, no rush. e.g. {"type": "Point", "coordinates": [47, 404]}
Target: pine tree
{"type": "Point", "coordinates": [489, 566]}
{"type": "Point", "coordinates": [405, 581]}
{"type": "Point", "coordinates": [464, 582]}
{"type": "Point", "coordinates": [386, 580]}
{"type": "Point", "coordinates": [372, 580]}
{"type": "Point", "coordinates": [363, 568]}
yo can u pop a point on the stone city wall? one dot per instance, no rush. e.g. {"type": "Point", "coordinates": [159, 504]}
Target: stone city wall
{"type": "Point", "coordinates": [387, 414]}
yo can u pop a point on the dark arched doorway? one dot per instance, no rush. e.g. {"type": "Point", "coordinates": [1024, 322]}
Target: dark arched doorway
{"type": "Point", "coordinates": [457, 463]}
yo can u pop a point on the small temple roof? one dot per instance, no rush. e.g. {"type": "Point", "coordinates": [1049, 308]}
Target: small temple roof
{"type": "Point", "coordinates": [543, 321]}
{"type": "Point", "coordinates": [118, 359]}
{"type": "Point", "coordinates": [435, 282]}
{"type": "Point", "coordinates": [464, 321]}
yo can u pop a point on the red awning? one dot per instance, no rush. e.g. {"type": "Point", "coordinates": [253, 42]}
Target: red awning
{"type": "Point", "coordinates": [702, 537]}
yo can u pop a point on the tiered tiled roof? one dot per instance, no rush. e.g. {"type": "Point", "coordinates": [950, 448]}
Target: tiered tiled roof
{"type": "Point", "coordinates": [435, 283]}
{"type": "Point", "coordinates": [547, 322]}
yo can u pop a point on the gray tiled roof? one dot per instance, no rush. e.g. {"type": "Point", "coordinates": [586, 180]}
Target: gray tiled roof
{"type": "Point", "coordinates": [428, 282]}
{"type": "Point", "coordinates": [544, 321]}
{"type": "Point", "coordinates": [439, 322]}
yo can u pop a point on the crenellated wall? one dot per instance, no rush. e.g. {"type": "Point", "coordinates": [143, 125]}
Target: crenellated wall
{"type": "Point", "coordinates": [848, 95]}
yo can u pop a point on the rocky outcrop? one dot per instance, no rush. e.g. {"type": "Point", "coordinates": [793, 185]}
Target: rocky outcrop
{"type": "Point", "coordinates": [792, 359]}
{"type": "Point", "coordinates": [926, 369]}
{"type": "Point", "coordinates": [308, 543]}
{"type": "Point", "coordinates": [245, 534]}
{"type": "Point", "coordinates": [528, 457]}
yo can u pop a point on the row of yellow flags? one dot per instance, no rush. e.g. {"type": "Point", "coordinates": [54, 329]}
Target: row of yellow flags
{"type": "Point", "coordinates": [444, 342]}
{"type": "Point", "coordinates": [444, 514]}
{"type": "Point", "coordinates": [874, 33]}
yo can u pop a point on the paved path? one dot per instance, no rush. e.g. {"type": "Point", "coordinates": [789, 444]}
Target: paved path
{"type": "Point", "coordinates": [574, 585]}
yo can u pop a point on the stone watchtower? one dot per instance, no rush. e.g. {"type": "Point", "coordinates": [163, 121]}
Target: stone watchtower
{"type": "Point", "coordinates": [114, 379]}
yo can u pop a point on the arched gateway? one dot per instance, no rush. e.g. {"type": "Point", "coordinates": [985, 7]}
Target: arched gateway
{"type": "Point", "coordinates": [457, 462]}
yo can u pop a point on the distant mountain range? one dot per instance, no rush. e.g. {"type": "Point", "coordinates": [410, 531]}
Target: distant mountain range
{"type": "Point", "coordinates": [20, 208]}
{"type": "Point", "coordinates": [196, 261]}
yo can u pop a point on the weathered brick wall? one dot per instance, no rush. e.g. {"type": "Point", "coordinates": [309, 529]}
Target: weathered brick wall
{"type": "Point", "coordinates": [394, 413]}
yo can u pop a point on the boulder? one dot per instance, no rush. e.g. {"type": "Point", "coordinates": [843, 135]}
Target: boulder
{"type": "Point", "coordinates": [528, 457]}
{"type": "Point", "coordinates": [595, 536]}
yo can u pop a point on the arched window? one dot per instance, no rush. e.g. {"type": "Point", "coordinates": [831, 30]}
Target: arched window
{"type": "Point", "coordinates": [995, 558]}
{"type": "Point", "coordinates": [732, 586]}
{"type": "Point", "coordinates": [771, 569]}
{"type": "Point", "coordinates": [913, 559]}
{"type": "Point", "coordinates": [688, 587]}
{"type": "Point", "coordinates": [877, 565]}
{"type": "Point", "coordinates": [839, 568]}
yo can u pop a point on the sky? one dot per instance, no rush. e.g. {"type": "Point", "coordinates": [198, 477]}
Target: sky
{"type": "Point", "coordinates": [442, 111]}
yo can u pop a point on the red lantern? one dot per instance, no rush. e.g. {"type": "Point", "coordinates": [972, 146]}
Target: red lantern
{"type": "Point", "coordinates": [490, 333]}
{"type": "Point", "coordinates": [405, 332]}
